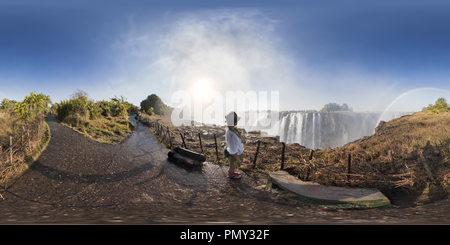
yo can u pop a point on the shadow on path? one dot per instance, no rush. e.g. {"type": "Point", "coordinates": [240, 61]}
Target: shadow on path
{"type": "Point", "coordinates": [77, 171]}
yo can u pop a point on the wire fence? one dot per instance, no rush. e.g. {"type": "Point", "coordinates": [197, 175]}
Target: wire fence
{"type": "Point", "coordinates": [14, 149]}
{"type": "Point", "coordinates": [345, 169]}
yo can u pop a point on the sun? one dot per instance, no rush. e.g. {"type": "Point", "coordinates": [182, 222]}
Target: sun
{"type": "Point", "coordinates": [202, 87]}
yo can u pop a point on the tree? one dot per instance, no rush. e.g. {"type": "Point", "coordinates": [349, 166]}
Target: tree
{"type": "Point", "coordinates": [438, 107]}
{"type": "Point", "coordinates": [154, 101]}
{"type": "Point", "coordinates": [7, 104]}
{"type": "Point", "coordinates": [345, 107]}
{"type": "Point", "coordinates": [331, 107]}
{"type": "Point", "coordinates": [79, 94]}
{"type": "Point", "coordinates": [33, 103]}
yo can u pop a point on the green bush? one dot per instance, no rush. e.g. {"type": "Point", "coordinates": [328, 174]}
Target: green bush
{"type": "Point", "coordinates": [438, 107]}
{"type": "Point", "coordinates": [78, 109]}
{"type": "Point", "coordinates": [154, 104]}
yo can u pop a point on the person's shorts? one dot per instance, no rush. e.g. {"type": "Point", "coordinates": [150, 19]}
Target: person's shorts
{"type": "Point", "coordinates": [231, 159]}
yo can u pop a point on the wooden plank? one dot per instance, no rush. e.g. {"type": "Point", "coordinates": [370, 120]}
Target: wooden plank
{"type": "Point", "coordinates": [319, 194]}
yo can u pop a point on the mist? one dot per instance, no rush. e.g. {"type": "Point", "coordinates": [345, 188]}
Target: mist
{"type": "Point", "coordinates": [245, 50]}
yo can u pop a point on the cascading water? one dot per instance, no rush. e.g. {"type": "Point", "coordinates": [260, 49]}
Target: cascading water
{"type": "Point", "coordinates": [314, 132]}
{"type": "Point", "coordinates": [318, 130]}
{"type": "Point", "coordinates": [320, 126]}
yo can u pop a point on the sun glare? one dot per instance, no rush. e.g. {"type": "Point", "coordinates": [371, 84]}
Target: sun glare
{"type": "Point", "coordinates": [201, 88]}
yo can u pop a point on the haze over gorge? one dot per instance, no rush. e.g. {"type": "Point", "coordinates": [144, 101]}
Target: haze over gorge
{"type": "Point", "coordinates": [319, 130]}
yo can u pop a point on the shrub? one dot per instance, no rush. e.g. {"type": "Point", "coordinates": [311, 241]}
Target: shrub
{"type": "Point", "coordinates": [33, 104]}
{"type": "Point", "coordinates": [79, 108]}
{"type": "Point", "coordinates": [154, 104]}
{"type": "Point", "coordinates": [438, 107]}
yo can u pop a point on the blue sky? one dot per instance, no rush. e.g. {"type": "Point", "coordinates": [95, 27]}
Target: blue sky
{"type": "Point", "coordinates": [367, 54]}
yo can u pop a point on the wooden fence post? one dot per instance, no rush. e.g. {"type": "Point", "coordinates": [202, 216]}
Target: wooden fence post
{"type": "Point", "coordinates": [200, 139]}
{"type": "Point", "coordinates": [168, 135]}
{"type": "Point", "coordinates": [182, 138]}
{"type": "Point", "coordinates": [29, 144]}
{"type": "Point", "coordinates": [10, 149]}
{"type": "Point", "coordinates": [256, 155]}
{"type": "Point", "coordinates": [282, 155]}
{"type": "Point", "coordinates": [165, 132]}
{"type": "Point", "coordinates": [349, 161]}
{"type": "Point", "coordinates": [217, 151]}
{"type": "Point", "coordinates": [308, 171]}
{"type": "Point", "coordinates": [21, 137]}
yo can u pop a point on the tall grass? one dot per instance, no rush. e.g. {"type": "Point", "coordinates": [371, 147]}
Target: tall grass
{"type": "Point", "coordinates": [19, 121]}
{"type": "Point", "coordinates": [103, 121]}
{"type": "Point", "coordinates": [7, 122]}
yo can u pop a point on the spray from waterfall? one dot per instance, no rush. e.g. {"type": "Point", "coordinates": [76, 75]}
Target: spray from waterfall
{"type": "Point", "coordinates": [320, 130]}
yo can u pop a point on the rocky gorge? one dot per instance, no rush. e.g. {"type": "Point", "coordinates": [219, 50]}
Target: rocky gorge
{"type": "Point", "coordinates": [312, 130]}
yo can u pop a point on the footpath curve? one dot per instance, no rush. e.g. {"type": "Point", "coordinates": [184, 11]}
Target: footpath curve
{"type": "Point", "coordinates": [78, 180]}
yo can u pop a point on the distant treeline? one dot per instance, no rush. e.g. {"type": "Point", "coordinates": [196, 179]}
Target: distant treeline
{"type": "Point", "coordinates": [332, 107]}
{"type": "Point", "coordinates": [80, 108]}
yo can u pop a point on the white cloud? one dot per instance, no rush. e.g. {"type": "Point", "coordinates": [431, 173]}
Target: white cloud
{"type": "Point", "coordinates": [236, 49]}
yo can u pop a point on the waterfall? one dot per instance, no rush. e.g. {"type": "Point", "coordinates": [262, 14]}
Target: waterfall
{"type": "Point", "coordinates": [305, 119]}
{"type": "Point", "coordinates": [318, 130]}
{"type": "Point", "coordinates": [292, 130]}
{"type": "Point", "coordinates": [314, 132]}
{"type": "Point", "coordinates": [282, 132]}
{"type": "Point", "coordinates": [300, 128]}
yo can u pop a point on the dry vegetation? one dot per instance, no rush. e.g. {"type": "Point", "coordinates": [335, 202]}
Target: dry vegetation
{"type": "Point", "coordinates": [104, 121]}
{"type": "Point", "coordinates": [395, 159]}
{"type": "Point", "coordinates": [29, 135]}
{"type": "Point", "coordinates": [7, 121]}
{"type": "Point", "coordinates": [108, 130]}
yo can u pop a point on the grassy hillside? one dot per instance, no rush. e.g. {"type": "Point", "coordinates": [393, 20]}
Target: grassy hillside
{"type": "Point", "coordinates": [408, 154]}
{"type": "Point", "coordinates": [411, 153]}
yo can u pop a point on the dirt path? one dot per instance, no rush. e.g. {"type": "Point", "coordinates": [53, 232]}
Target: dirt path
{"type": "Point", "coordinates": [77, 180]}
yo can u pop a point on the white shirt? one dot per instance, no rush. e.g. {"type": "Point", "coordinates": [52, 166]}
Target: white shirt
{"type": "Point", "coordinates": [234, 143]}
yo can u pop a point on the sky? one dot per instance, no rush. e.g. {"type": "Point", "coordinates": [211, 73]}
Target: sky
{"type": "Point", "coordinates": [372, 55]}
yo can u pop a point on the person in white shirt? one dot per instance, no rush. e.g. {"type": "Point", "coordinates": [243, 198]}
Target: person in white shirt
{"type": "Point", "coordinates": [234, 145]}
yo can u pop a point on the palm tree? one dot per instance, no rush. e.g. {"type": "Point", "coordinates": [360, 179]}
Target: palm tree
{"type": "Point", "coordinates": [38, 103]}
